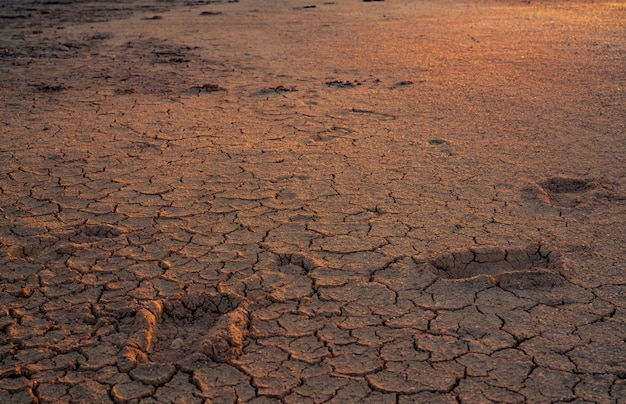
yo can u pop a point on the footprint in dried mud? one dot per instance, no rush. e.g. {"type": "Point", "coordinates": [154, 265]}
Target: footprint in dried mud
{"type": "Point", "coordinates": [205, 88]}
{"type": "Point", "coordinates": [168, 53]}
{"type": "Point", "coordinates": [402, 84]}
{"type": "Point", "coordinates": [124, 91]}
{"type": "Point", "coordinates": [100, 231]}
{"type": "Point", "coordinates": [50, 88]}
{"type": "Point", "coordinates": [274, 91]}
{"type": "Point", "coordinates": [564, 185]}
{"type": "Point", "coordinates": [441, 146]}
{"type": "Point", "coordinates": [343, 84]}
{"type": "Point", "coordinates": [168, 331]}
{"type": "Point", "coordinates": [567, 192]}
{"type": "Point", "coordinates": [534, 266]}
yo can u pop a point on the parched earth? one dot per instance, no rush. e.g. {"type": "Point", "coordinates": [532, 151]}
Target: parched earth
{"type": "Point", "coordinates": [305, 202]}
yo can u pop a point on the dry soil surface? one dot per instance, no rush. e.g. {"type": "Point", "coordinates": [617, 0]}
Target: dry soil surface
{"type": "Point", "coordinates": [306, 201]}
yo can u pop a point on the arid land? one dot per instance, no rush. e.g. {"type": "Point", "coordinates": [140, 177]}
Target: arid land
{"type": "Point", "coordinates": [302, 202]}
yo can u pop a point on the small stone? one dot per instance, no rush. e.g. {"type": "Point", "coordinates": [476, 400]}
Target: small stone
{"type": "Point", "coordinates": [177, 343]}
{"type": "Point", "coordinates": [165, 264]}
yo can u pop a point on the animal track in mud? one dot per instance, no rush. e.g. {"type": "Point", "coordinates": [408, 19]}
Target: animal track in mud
{"type": "Point", "coordinates": [567, 192]}
{"type": "Point", "coordinates": [441, 146]}
{"type": "Point", "coordinates": [401, 84]}
{"type": "Point", "coordinates": [564, 185]}
{"type": "Point", "coordinates": [50, 88]}
{"type": "Point", "coordinates": [534, 266]}
{"type": "Point", "coordinates": [201, 2]}
{"type": "Point", "coordinates": [274, 91]}
{"type": "Point", "coordinates": [169, 330]}
{"type": "Point", "coordinates": [205, 88]}
{"type": "Point", "coordinates": [343, 84]}
{"type": "Point", "coordinates": [100, 231]}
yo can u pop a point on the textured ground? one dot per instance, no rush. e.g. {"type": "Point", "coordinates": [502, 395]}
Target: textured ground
{"type": "Point", "coordinates": [290, 201]}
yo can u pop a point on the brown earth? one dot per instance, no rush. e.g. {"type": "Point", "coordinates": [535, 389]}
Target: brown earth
{"type": "Point", "coordinates": [297, 201]}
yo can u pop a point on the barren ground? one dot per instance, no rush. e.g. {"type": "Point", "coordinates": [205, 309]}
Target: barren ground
{"type": "Point", "coordinates": [301, 201]}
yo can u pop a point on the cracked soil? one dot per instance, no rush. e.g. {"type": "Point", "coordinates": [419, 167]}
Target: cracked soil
{"type": "Point", "coordinates": [302, 202]}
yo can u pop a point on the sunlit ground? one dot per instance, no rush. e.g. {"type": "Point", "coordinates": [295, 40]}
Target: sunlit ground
{"type": "Point", "coordinates": [262, 200]}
